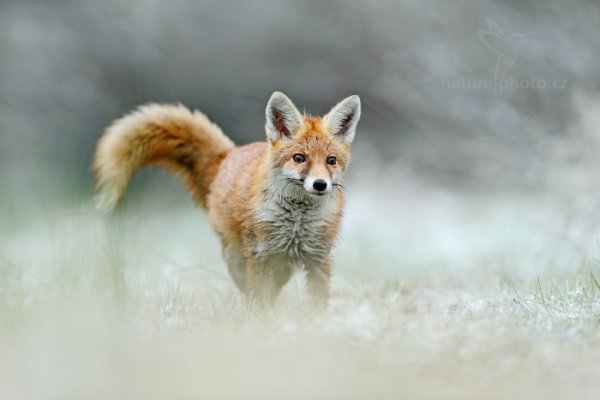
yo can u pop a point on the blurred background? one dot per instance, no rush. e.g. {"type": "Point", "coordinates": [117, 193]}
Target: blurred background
{"type": "Point", "coordinates": [467, 262]}
{"type": "Point", "coordinates": [467, 104]}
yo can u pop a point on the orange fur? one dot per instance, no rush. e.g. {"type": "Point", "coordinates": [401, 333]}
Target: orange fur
{"type": "Point", "coordinates": [269, 224]}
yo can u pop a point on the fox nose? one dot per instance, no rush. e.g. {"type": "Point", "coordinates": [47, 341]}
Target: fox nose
{"type": "Point", "coordinates": [320, 185]}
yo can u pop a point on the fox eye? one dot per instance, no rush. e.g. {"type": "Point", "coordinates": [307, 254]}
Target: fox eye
{"type": "Point", "coordinates": [331, 160]}
{"type": "Point", "coordinates": [299, 158]}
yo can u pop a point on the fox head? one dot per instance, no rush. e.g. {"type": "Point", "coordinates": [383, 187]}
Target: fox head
{"type": "Point", "coordinates": [309, 155]}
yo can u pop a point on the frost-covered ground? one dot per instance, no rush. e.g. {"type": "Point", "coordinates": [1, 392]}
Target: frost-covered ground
{"type": "Point", "coordinates": [435, 295]}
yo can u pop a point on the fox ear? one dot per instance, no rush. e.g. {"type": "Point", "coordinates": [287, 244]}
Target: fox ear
{"type": "Point", "coordinates": [342, 119]}
{"type": "Point", "coordinates": [283, 118]}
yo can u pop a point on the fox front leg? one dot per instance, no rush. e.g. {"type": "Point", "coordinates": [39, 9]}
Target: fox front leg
{"type": "Point", "coordinates": [236, 264]}
{"type": "Point", "coordinates": [265, 279]}
{"type": "Point", "coordinates": [254, 290]}
{"type": "Point", "coordinates": [318, 275]}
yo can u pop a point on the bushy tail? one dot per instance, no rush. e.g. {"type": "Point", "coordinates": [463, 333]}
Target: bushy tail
{"type": "Point", "coordinates": [186, 143]}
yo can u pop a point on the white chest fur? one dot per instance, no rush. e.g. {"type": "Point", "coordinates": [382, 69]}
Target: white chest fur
{"type": "Point", "coordinates": [296, 229]}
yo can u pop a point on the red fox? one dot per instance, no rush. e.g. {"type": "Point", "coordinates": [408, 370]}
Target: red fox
{"type": "Point", "coordinates": [276, 205]}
